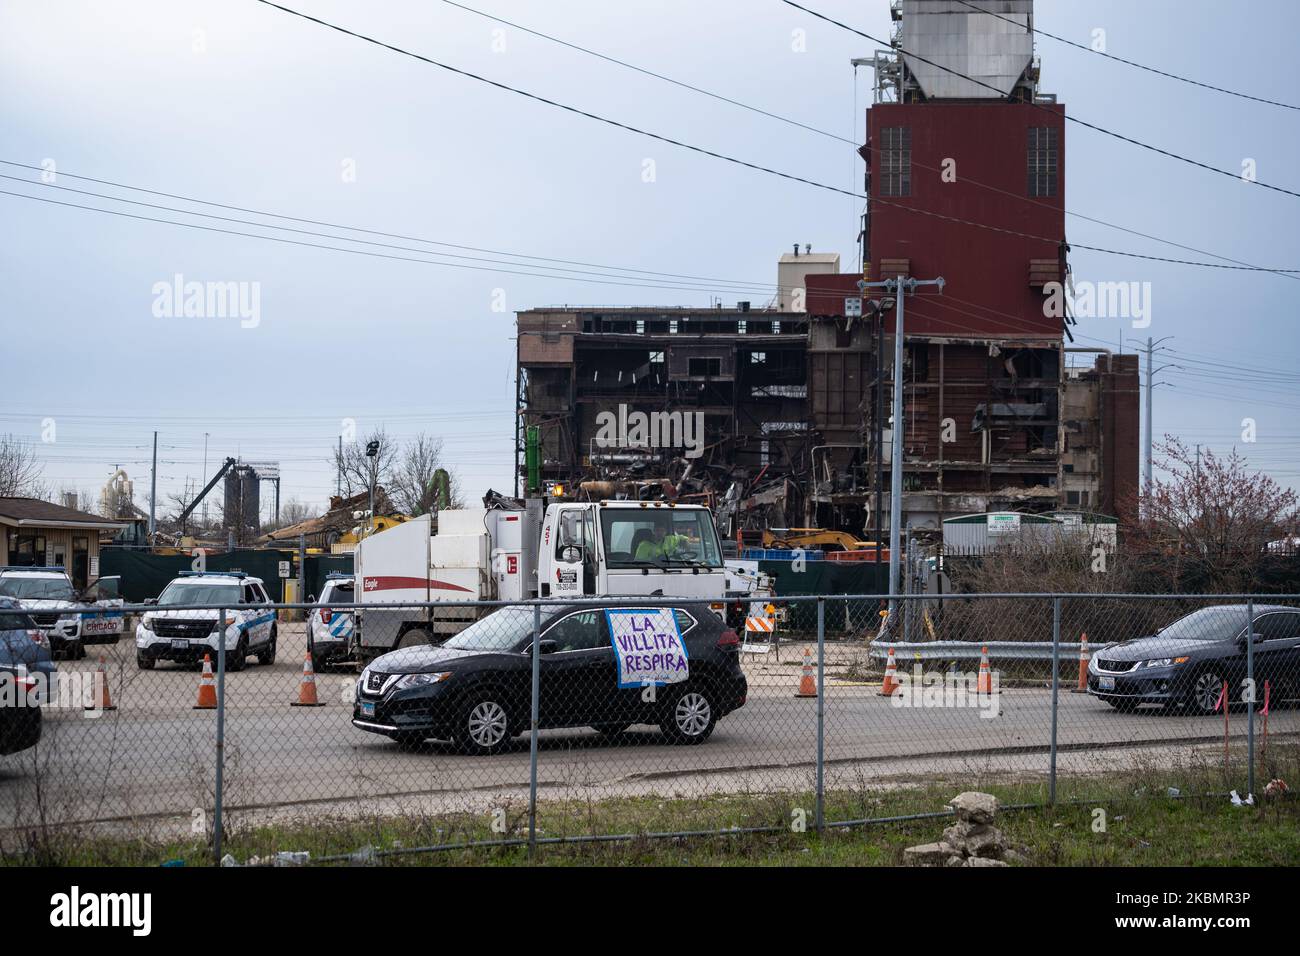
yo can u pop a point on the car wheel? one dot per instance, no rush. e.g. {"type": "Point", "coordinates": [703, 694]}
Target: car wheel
{"type": "Point", "coordinates": [1203, 695]}
{"type": "Point", "coordinates": [267, 654]}
{"type": "Point", "coordinates": [77, 651]}
{"type": "Point", "coordinates": [415, 637]}
{"type": "Point", "coordinates": [610, 730]}
{"type": "Point", "coordinates": [484, 725]}
{"type": "Point", "coordinates": [144, 662]}
{"type": "Point", "coordinates": [689, 715]}
{"type": "Point", "coordinates": [236, 659]}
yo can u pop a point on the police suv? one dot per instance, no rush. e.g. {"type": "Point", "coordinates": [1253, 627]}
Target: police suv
{"type": "Point", "coordinates": [68, 620]}
{"type": "Point", "coordinates": [248, 624]}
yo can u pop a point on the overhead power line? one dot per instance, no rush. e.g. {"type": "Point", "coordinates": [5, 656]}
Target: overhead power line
{"type": "Point", "coordinates": [387, 235]}
{"type": "Point", "coordinates": [1068, 118]}
{"type": "Point", "coordinates": [710, 152]}
{"type": "Point", "coordinates": [756, 288]}
{"type": "Point", "coordinates": [651, 73]}
{"type": "Point", "coordinates": [563, 106]}
{"type": "Point", "coordinates": [344, 249]}
{"type": "Point", "coordinates": [1133, 63]}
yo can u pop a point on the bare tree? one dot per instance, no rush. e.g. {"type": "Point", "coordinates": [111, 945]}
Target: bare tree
{"type": "Point", "coordinates": [293, 512]}
{"type": "Point", "coordinates": [76, 499]}
{"type": "Point", "coordinates": [405, 472]}
{"type": "Point", "coordinates": [20, 471]}
{"type": "Point", "coordinates": [412, 483]}
{"type": "Point", "coordinates": [354, 467]}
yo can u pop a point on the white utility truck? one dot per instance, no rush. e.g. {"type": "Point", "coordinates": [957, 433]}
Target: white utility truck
{"type": "Point", "coordinates": [571, 550]}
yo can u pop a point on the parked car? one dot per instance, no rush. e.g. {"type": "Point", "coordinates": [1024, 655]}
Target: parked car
{"type": "Point", "coordinates": [70, 619]}
{"type": "Point", "coordinates": [24, 658]}
{"type": "Point", "coordinates": [475, 689]}
{"type": "Point", "coordinates": [185, 636]}
{"type": "Point", "coordinates": [1184, 665]}
{"type": "Point", "coordinates": [329, 630]}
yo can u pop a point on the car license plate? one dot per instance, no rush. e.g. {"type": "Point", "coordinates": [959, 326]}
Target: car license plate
{"type": "Point", "coordinates": [1106, 683]}
{"type": "Point", "coordinates": [367, 708]}
{"type": "Point", "coordinates": [180, 645]}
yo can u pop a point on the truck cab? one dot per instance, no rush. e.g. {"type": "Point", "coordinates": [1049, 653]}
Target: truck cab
{"type": "Point", "coordinates": [627, 548]}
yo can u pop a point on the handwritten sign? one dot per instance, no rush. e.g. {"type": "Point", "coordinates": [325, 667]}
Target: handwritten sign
{"type": "Point", "coordinates": [648, 647]}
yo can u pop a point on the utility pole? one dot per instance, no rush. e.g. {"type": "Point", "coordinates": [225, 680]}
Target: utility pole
{"type": "Point", "coordinates": [205, 479]}
{"type": "Point", "coordinates": [900, 287]}
{"type": "Point", "coordinates": [1152, 346]}
{"type": "Point", "coordinates": [153, 486]}
{"type": "Point", "coordinates": [338, 481]}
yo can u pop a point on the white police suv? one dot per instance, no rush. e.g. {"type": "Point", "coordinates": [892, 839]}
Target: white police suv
{"type": "Point", "coordinates": [170, 633]}
{"type": "Point", "coordinates": [68, 620]}
{"type": "Point", "coordinates": [330, 629]}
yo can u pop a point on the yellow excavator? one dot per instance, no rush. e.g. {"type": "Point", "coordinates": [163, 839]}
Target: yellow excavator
{"type": "Point", "coordinates": [814, 539]}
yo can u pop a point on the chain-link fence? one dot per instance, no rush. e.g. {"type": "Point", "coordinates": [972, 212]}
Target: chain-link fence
{"type": "Point", "coordinates": [525, 724]}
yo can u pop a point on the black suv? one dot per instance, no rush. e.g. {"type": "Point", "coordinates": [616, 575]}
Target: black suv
{"type": "Point", "coordinates": [1184, 665]}
{"type": "Point", "coordinates": [475, 688]}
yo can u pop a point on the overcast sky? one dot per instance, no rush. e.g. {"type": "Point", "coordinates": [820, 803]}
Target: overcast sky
{"type": "Point", "coordinates": [237, 103]}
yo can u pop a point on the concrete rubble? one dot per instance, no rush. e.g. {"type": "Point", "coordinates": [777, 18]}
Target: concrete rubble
{"type": "Point", "coordinates": [972, 841]}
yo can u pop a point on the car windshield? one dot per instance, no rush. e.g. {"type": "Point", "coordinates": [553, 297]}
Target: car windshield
{"type": "Point", "coordinates": [37, 589]}
{"type": "Point", "coordinates": [1208, 624]}
{"type": "Point", "coordinates": [502, 631]}
{"type": "Point", "coordinates": [201, 593]}
{"type": "Point", "coordinates": [661, 537]}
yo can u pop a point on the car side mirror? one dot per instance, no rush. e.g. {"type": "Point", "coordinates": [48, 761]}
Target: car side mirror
{"type": "Point", "coordinates": [311, 599]}
{"type": "Point", "coordinates": [150, 600]}
{"type": "Point", "coordinates": [545, 647]}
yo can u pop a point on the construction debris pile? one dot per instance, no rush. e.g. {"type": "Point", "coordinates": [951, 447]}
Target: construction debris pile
{"type": "Point", "coordinates": [972, 841]}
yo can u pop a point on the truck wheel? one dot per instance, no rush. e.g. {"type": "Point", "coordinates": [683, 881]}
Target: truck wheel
{"type": "Point", "coordinates": [415, 637]}
{"type": "Point", "coordinates": [689, 715]}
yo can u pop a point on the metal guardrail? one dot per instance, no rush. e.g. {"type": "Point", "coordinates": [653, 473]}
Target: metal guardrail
{"type": "Point", "coordinates": [971, 650]}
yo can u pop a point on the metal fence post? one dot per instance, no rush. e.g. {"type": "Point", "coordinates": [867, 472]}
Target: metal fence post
{"type": "Point", "coordinates": [532, 732]}
{"type": "Point", "coordinates": [221, 732]}
{"type": "Point", "coordinates": [1056, 695]}
{"type": "Point", "coordinates": [821, 713]}
{"type": "Point", "coordinates": [1250, 697]}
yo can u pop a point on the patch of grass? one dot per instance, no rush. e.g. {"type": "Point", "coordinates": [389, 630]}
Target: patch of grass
{"type": "Point", "coordinates": [1143, 825]}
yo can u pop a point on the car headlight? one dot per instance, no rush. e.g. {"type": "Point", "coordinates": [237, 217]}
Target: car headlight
{"type": "Point", "coordinates": [1164, 662]}
{"type": "Point", "coordinates": [420, 680]}
{"type": "Point", "coordinates": [147, 624]}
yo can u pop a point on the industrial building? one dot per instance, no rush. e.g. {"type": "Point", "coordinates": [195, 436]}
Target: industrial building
{"type": "Point", "coordinates": [1001, 411]}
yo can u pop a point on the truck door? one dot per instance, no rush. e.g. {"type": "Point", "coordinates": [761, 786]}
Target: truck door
{"type": "Point", "coordinates": [570, 553]}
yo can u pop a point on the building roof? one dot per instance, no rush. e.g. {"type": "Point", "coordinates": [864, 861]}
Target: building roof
{"type": "Point", "coordinates": [31, 512]}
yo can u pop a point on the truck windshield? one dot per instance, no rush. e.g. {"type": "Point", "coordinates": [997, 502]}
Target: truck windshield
{"type": "Point", "coordinates": [37, 589]}
{"type": "Point", "coordinates": [659, 537]}
{"type": "Point", "coordinates": [193, 592]}
{"type": "Point", "coordinates": [502, 631]}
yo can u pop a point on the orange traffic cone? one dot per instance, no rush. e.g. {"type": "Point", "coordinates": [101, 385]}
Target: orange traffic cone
{"type": "Point", "coordinates": [307, 687]}
{"type": "Point", "coordinates": [889, 686]}
{"type": "Point", "coordinates": [1084, 657]}
{"type": "Point", "coordinates": [807, 680]}
{"type": "Point", "coordinates": [984, 685]}
{"type": "Point", "coordinates": [207, 686]}
{"type": "Point", "coordinates": [99, 693]}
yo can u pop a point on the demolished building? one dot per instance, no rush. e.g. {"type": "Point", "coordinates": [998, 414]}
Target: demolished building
{"type": "Point", "coordinates": [1001, 411]}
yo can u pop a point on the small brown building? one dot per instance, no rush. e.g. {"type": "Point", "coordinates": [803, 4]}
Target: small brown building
{"type": "Point", "coordinates": [38, 533]}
